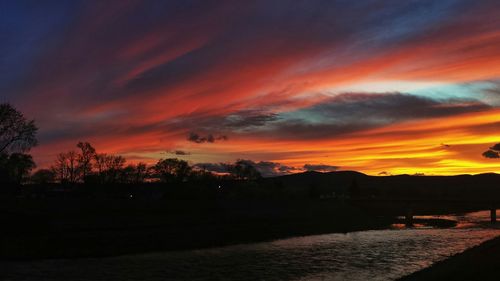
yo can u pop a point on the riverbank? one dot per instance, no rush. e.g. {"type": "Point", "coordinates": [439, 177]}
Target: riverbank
{"type": "Point", "coordinates": [481, 262]}
{"type": "Point", "coordinates": [69, 228]}
{"type": "Point", "coordinates": [38, 229]}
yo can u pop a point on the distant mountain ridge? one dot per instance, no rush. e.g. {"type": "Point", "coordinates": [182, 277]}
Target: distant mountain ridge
{"type": "Point", "coordinates": [339, 182]}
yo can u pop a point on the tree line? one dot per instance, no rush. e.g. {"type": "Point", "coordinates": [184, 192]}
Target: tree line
{"type": "Point", "coordinates": [17, 137]}
{"type": "Point", "coordinates": [86, 165]}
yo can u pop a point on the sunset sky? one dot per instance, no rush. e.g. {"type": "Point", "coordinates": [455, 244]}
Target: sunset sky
{"type": "Point", "coordinates": [381, 87]}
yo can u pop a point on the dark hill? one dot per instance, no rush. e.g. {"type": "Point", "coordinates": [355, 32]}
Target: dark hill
{"type": "Point", "coordinates": [313, 184]}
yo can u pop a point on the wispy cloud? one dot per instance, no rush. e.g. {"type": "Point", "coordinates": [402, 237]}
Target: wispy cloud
{"type": "Point", "coordinates": [138, 77]}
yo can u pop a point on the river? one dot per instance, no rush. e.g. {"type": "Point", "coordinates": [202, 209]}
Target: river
{"type": "Point", "coordinates": [364, 255]}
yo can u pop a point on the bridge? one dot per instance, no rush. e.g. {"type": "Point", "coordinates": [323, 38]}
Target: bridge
{"type": "Point", "coordinates": [411, 207]}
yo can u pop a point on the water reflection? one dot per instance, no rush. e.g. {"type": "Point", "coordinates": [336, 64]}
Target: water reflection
{"type": "Point", "coordinates": [468, 220]}
{"type": "Point", "coordinates": [365, 255]}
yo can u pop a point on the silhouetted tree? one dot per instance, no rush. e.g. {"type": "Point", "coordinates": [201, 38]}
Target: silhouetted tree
{"type": "Point", "coordinates": [15, 168]}
{"type": "Point", "coordinates": [108, 167]}
{"type": "Point", "coordinates": [66, 167]}
{"type": "Point", "coordinates": [16, 133]}
{"type": "Point", "coordinates": [43, 176]}
{"type": "Point", "coordinates": [141, 172]}
{"type": "Point", "coordinates": [493, 152]}
{"type": "Point", "coordinates": [100, 164]}
{"type": "Point", "coordinates": [133, 174]}
{"type": "Point", "coordinates": [4, 170]}
{"type": "Point", "coordinates": [85, 157]}
{"type": "Point", "coordinates": [202, 175]}
{"type": "Point", "coordinates": [115, 165]}
{"type": "Point", "coordinates": [244, 170]}
{"type": "Point", "coordinates": [127, 174]}
{"type": "Point", "coordinates": [172, 170]}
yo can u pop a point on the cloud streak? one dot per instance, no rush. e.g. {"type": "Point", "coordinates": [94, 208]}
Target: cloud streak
{"type": "Point", "coordinates": [194, 137]}
{"type": "Point", "coordinates": [138, 77]}
{"type": "Point", "coordinates": [334, 116]}
{"type": "Point", "coordinates": [320, 168]}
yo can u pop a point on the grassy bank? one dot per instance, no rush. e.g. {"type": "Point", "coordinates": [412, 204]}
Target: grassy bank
{"type": "Point", "coordinates": [57, 228]}
{"type": "Point", "coordinates": [478, 263]}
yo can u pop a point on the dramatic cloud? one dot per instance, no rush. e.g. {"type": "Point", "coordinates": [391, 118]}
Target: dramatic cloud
{"type": "Point", "coordinates": [334, 116]}
{"type": "Point", "coordinates": [491, 92]}
{"type": "Point", "coordinates": [246, 120]}
{"type": "Point", "coordinates": [265, 168]}
{"type": "Point", "coordinates": [271, 169]}
{"type": "Point", "coordinates": [137, 77]}
{"type": "Point", "coordinates": [347, 113]}
{"type": "Point", "coordinates": [320, 168]}
{"type": "Point", "coordinates": [179, 152]}
{"type": "Point", "coordinates": [493, 152]}
{"type": "Point", "coordinates": [213, 167]}
{"type": "Point", "coordinates": [496, 147]}
{"type": "Point", "coordinates": [194, 137]}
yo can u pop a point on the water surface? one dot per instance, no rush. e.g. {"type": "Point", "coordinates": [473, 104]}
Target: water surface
{"type": "Point", "coordinates": [364, 255]}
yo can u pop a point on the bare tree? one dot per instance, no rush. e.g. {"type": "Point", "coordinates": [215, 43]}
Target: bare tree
{"type": "Point", "coordinates": [16, 133]}
{"type": "Point", "coordinates": [108, 167]}
{"type": "Point", "coordinates": [85, 157]}
{"type": "Point", "coordinates": [115, 164]}
{"type": "Point", "coordinates": [60, 168]}
{"type": "Point", "coordinates": [141, 172]}
{"type": "Point", "coordinates": [73, 172]}
{"type": "Point", "coordinates": [66, 167]}
{"type": "Point", "coordinates": [133, 174]}
{"type": "Point", "coordinates": [100, 163]}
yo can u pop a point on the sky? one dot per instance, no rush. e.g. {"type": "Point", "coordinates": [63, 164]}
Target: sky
{"type": "Point", "coordinates": [381, 87]}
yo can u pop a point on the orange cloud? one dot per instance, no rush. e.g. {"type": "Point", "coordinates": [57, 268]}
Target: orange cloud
{"type": "Point", "coordinates": [136, 81]}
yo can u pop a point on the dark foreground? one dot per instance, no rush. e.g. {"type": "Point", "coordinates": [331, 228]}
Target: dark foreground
{"type": "Point", "coordinates": [478, 263]}
{"type": "Point", "coordinates": [34, 229]}
{"type": "Point", "coordinates": [375, 255]}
